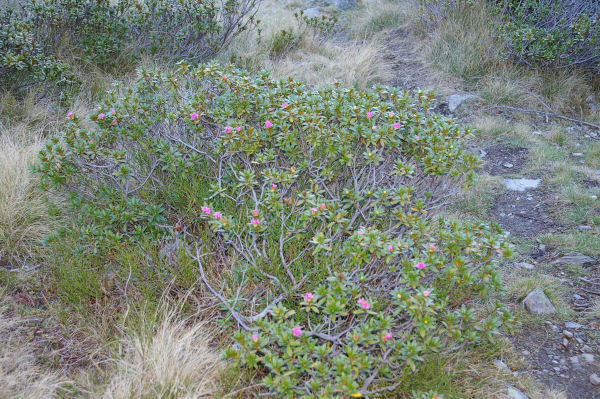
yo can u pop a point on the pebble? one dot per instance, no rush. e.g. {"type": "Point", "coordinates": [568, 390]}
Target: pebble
{"type": "Point", "coordinates": [552, 326]}
{"type": "Point", "coordinates": [587, 358]}
{"type": "Point", "coordinates": [507, 165]}
{"type": "Point", "coordinates": [525, 265]}
{"type": "Point", "coordinates": [578, 297]}
{"type": "Point", "coordinates": [526, 353]}
{"type": "Point", "coordinates": [594, 197]}
{"type": "Point", "coordinates": [586, 348]}
{"type": "Point", "coordinates": [584, 227]}
{"type": "Point", "coordinates": [565, 342]}
{"type": "Point", "coordinates": [577, 154]}
{"type": "Point", "coordinates": [500, 365]}
{"type": "Point", "coordinates": [595, 379]}
{"type": "Point", "coordinates": [574, 361]}
{"type": "Point", "coordinates": [568, 334]}
{"type": "Point", "coordinates": [573, 325]}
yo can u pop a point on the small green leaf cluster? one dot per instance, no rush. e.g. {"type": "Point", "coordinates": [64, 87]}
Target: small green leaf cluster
{"type": "Point", "coordinates": [109, 33]}
{"type": "Point", "coordinates": [554, 34]}
{"type": "Point", "coordinates": [317, 209]}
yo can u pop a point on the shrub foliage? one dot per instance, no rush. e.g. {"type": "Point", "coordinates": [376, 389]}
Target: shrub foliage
{"type": "Point", "coordinates": [312, 211]}
{"type": "Point", "coordinates": [35, 34]}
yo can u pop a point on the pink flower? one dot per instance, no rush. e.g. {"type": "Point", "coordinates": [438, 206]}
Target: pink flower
{"type": "Point", "coordinates": [450, 120]}
{"type": "Point", "coordinates": [254, 337]}
{"type": "Point", "coordinates": [363, 304]}
{"type": "Point", "coordinates": [322, 207]}
{"type": "Point", "coordinates": [391, 114]}
{"type": "Point", "coordinates": [359, 232]}
{"type": "Point", "coordinates": [374, 127]}
{"type": "Point", "coordinates": [268, 124]}
{"type": "Point", "coordinates": [255, 212]}
{"type": "Point", "coordinates": [386, 337]}
{"type": "Point", "coordinates": [284, 105]}
{"type": "Point", "coordinates": [308, 296]}
{"type": "Point", "coordinates": [205, 210]}
{"type": "Point", "coordinates": [228, 129]}
{"type": "Point", "coordinates": [217, 215]}
{"type": "Point", "coordinates": [314, 211]}
{"type": "Point", "coordinates": [296, 331]}
{"type": "Point", "coordinates": [369, 114]}
{"type": "Point", "coordinates": [101, 116]}
{"type": "Point", "coordinates": [238, 128]}
{"type": "Point", "coordinates": [431, 248]}
{"type": "Point", "coordinates": [396, 126]}
{"type": "Point", "coordinates": [390, 248]}
{"type": "Point", "coordinates": [70, 115]}
{"type": "Point", "coordinates": [254, 222]}
{"type": "Point", "coordinates": [426, 293]}
{"type": "Point", "coordinates": [273, 186]}
{"type": "Point", "coordinates": [420, 265]}
{"type": "Point", "coordinates": [193, 116]}
{"type": "Point", "coordinates": [417, 138]}
{"type": "Point", "coordinates": [224, 77]}
{"type": "Point", "coordinates": [112, 111]}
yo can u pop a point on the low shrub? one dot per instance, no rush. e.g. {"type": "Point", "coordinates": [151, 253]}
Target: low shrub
{"type": "Point", "coordinates": [314, 211]}
{"type": "Point", "coordinates": [110, 34]}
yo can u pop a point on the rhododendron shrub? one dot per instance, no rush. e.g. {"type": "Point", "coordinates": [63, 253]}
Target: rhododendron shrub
{"type": "Point", "coordinates": [316, 209]}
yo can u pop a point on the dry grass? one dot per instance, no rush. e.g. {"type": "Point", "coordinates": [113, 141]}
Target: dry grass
{"type": "Point", "coordinates": [171, 360]}
{"type": "Point", "coordinates": [24, 219]}
{"type": "Point", "coordinates": [375, 16]}
{"type": "Point", "coordinates": [20, 376]}
{"type": "Point", "coordinates": [317, 61]}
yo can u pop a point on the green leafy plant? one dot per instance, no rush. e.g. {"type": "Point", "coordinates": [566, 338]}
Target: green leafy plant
{"type": "Point", "coordinates": [278, 192]}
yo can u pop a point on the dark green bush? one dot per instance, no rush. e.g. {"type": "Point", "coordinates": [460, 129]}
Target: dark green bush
{"type": "Point", "coordinates": [551, 33]}
{"type": "Point", "coordinates": [35, 35]}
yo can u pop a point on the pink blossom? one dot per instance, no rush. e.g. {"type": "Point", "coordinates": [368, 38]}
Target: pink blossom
{"type": "Point", "coordinates": [359, 232]}
{"type": "Point", "coordinates": [420, 265]}
{"type": "Point", "coordinates": [238, 128]}
{"type": "Point", "coordinates": [217, 215]}
{"type": "Point", "coordinates": [397, 126]}
{"type": "Point", "coordinates": [254, 337]}
{"type": "Point", "coordinates": [205, 210]}
{"type": "Point", "coordinates": [322, 207]}
{"type": "Point", "coordinates": [450, 120]}
{"type": "Point", "coordinates": [193, 116]}
{"type": "Point", "coordinates": [254, 222]}
{"type": "Point", "coordinates": [417, 138]}
{"type": "Point", "coordinates": [255, 212]}
{"type": "Point", "coordinates": [308, 296]}
{"type": "Point", "coordinates": [369, 114]}
{"type": "Point", "coordinates": [426, 293]}
{"type": "Point", "coordinates": [297, 331]}
{"type": "Point", "coordinates": [431, 248]}
{"type": "Point", "coordinates": [390, 248]}
{"type": "Point", "coordinates": [70, 115]}
{"type": "Point", "coordinates": [273, 186]}
{"type": "Point", "coordinates": [224, 77]}
{"type": "Point", "coordinates": [101, 116]}
{"type": "Point", "coordinates": [386, 337]}
{"type": "Point", "coordinates": [268, 124]}
{"type": "Point", "coordinates": [228, 129]}
{"type": "Point", "coordinates": [112, 111]}
{"type": "Point", "coordinates": [363, 304]}
{"type": "Point", "coordinates": [314, 211]}
{"type": "Point", "coordinates": [284, 105]}
{"type": "Point", "coordinates": [374, 127]}
{"type": "Point", "coordinates": [391, 114]}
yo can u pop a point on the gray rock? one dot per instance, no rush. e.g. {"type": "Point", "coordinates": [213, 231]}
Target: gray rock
{"type": "Point", "coordinates": [587, 358]}
{"type": "Point", "coordinates": [568, 334]}
{"type": "Point", "coordinates": [538, 303]}
{"type": "Point", "coordinates": [455, 101]}
{"type": "Point", "coordinates": [577, 154]}
{"type": "Point", "coordinates": [595, 379]}
{"type": "Point", "coordinates": [584, 227]}
{"type": "Point", "coordinates": [574, 360]}
{"type": "Point", "coordinates": [573, 325]}
{"type": "Point", "coordinates": [586, 348]}
{"type": "Point", "coordinates": [507, 165]}
{"type": "Point", "coordinates": [312, 12]}
{"type": "Point", "coordinates": [524, 265]}
{"type": "Point", "coordinates": [521, 184]}
{"type": "Point", "coordinates": [344, 4]}
{"type": "Point", "coordinates": [500, 365]}
{"type": "Point", "coordinates": [553, 327]}
{"type": "Point", "coordinates": [578, 297]}
{"type": "Point", "coordinates": [576, 259]}
{"type": "Point", "coordinates": [514, 393]}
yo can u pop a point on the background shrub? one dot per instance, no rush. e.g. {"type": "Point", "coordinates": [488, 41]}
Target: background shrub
{"type": "Point", "coordinates": [276, 192]}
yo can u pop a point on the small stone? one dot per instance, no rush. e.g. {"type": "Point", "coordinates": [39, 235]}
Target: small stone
{"type": "Point", "coordinates": [574, 360]}
{"type": "Point", "coordinates": [578, 297]}
{"type": "Point", "coordinates": [586, 348]}
{"type": "Point", "coordinates": [595, 379]}
{"type": "Point", "coordinates": [594, 197]}
{"type": "Point", "coordinates": [521, 184]}
{"type": "Point", "coordinates": [538, 303]}
{"type": "Point", "coordinates": [526, 353]}
{"type": "Point", "coordinates": [568, 334]}
{"type": "Point", "coordinates": [514, 393]}
{"type": "Point", "coordinates": [587, 358]}
{"type": "Point", "coordinates": [573, 325]}
{"type": "Point", "coordinates": [576, 259]}
{"type": "Point", "coordinates": [553, 327]}
{"type": "Point", "coordinates": [455, 101]}
{"type": "Point", "coordinates": [542, 247]}
{"type": "Point", "coordinates": [507, 165]}
{"type": "Point", "coordinates": [524, 265]}
{"type": "Point", "coordinates": [584, 227]}
{"type": "Point", "coordinates": [577, 154]}
{"type": "Point", "coordinates": [565, 342]}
